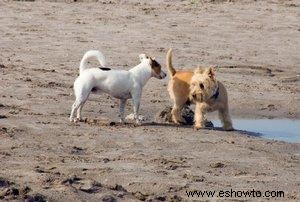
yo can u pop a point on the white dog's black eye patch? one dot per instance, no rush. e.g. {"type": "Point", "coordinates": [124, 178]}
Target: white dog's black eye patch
{"type": "Point", "coordinates": [105, 68]}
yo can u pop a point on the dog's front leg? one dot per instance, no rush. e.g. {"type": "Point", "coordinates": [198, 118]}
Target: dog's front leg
{"type": "Point", "coordinates": [121, 110]}
{"type": "Point", "coordinates": [199, 116]}
{"type": "Point", "coordinates": [136, 96]}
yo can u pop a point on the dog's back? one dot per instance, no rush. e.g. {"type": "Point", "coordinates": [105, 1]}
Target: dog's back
{"type": "Point", "coordinates": [179, 85]}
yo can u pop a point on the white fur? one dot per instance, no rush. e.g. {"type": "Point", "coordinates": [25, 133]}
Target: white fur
{"type": "Point", "coordinates": [120, 84]}
{"type": "Point", "coordinates": [91, 54]}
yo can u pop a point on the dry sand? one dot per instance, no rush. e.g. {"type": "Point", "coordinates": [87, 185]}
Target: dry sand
{"type": "Point", "coordinates": [43, 156]}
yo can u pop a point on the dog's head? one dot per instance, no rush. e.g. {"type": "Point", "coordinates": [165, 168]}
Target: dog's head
{"type": "Point", "coordinates": [156, 70]}
{"type": "Point", "coordinates": [203, 85]}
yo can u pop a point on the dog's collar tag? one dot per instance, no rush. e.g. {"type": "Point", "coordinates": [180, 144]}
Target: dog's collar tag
{"type": "Point", "coordinates": [216, 94]}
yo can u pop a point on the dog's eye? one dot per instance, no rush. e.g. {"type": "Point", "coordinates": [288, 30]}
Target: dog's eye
{"type": "Point", "coordinates": [201, 86]}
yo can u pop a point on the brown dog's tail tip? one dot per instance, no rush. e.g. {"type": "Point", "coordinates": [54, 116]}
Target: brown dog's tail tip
{"type": "Point", "coordinates": [169, 64]}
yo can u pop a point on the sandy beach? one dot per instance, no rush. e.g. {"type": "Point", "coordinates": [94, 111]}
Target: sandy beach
{"type": "Point", "coordinates": [43, 157]}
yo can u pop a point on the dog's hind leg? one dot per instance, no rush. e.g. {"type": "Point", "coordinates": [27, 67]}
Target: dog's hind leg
{"type": "Point", "coordinates": [81, 98]}
{"type": "Point", "coordinates": [121, 110]}
{"type": "Point", "coordinates": [79, 111]}
{"type": "Point", "coordinates": [74, 109]}
{"type": "Point", "coordinates": [176, 114]}
{"type": "Point", "coordinates": [176, 111]}
{"type": "Point", "coordinates": [225, 119]}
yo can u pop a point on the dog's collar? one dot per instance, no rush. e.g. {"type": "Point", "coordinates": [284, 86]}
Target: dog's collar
{"type": "Point", "coordinates": [216, 93]}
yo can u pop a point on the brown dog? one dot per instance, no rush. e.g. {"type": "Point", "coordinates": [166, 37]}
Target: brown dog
{"type": "Point", "coordinates": [200, 87]}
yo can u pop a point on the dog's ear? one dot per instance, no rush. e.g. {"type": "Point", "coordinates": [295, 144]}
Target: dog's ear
{"type": "Point", "coordinates": [143, 56]}
{"type": "Point", "coordinates": [199, 70]}
{"type": "Point", "coordinates": [152, 60]}
{"type": "Point", "coordinates": [211, 72]}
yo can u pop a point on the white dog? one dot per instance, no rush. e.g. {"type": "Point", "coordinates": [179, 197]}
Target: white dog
{"type": "Point", "coordinates": [120, 84]}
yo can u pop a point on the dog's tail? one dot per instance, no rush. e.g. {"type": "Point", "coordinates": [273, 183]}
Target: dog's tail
{"type": "Point", "coordinates": [91, 54]}
{"type": "Point", "coordinates": [171, 69]}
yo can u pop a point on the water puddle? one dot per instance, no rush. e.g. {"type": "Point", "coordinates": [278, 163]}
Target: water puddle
{"type": "Point", "coordinates": [277, 129]}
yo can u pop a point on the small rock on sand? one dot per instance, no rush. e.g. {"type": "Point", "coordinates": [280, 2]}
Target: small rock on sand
{"type": "Point", "coordinates": [71, 180]}
{"type": "Point", "coordinates": [90, 186]}
{"type": "Point", "coordinates": [4, 182]}
{"type": "Point", "coordinates": [217, 165]}
{"type": "Point", "coordinates": [108, 198]}
{"type": "Point", "coordinates": [36, 198]}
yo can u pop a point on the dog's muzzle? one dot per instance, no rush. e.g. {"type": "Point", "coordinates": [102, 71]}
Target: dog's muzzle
{"type": "Point", "coordinates": [162, 75]}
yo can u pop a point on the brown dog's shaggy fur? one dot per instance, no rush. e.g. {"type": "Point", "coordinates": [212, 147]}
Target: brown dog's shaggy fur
{"type": "Point", "coordinates": [199, 87]}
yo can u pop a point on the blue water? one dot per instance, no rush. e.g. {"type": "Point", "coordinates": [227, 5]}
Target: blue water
{"type": "Point", "coordinates": [277, 129]}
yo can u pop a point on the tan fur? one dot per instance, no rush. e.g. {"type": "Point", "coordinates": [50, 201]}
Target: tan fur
{"type": "Point", "coordinates": [170, 67]}
{"type": "Point", "coordinates": [185, 86]}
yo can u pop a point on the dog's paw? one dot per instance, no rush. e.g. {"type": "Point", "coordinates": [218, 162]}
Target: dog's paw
{"type": "Point", "coordinates": [131, 117]}
{"type": "Point", "coordinates": [198, 126]}
{"type": "Point", "coordinates": [72, 119]}
{"type": "Point", "coordinates": [122, 121]}
{"type": "Point", "coordinates": [182, 122]}
{"type": "Point", "coordinates": [81, 120]}
{"type": "Point", "coordinates": [76, 120]}
{"type": "Point", "coordinates": [178, 122]}
{"type": "Point", "coordinates": [137, 123]}
{"type": "Point", "coordinates": [228, 128]}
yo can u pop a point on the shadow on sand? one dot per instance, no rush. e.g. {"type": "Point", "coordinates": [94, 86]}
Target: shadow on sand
{"type": "Point", "coordinates": [243, 132]}
{"type": "Point", "coordinates": [165, 124]}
